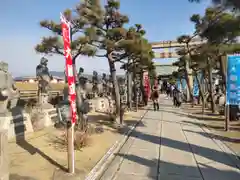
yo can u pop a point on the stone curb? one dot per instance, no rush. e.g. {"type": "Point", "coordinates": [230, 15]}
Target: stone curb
{"type": "Point", "coordinates": [223, 146]}
{"type": "Point", "coordinates": [109, 156]}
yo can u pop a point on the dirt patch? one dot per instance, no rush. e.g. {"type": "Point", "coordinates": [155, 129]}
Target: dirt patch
{"type": "Point", "coordinates": [38, 156]}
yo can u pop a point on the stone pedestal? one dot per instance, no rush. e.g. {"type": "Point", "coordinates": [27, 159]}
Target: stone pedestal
{"type": "Point", "coordinates": [101, 104]}
{"type": "Point", "coordinates": [44, 118]}
{"type": "Point", "coordinates": [4, 162]}
{"type": "Point", "coordinates": [43, 98]}
{"type": "Point", "coordinates": [43, 101]}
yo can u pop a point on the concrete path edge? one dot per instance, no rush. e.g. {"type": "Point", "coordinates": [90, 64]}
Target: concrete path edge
{"type": "Point", "coordinates": [109, 156]}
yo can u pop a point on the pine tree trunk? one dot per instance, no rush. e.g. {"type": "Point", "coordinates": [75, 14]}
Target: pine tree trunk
{"type": "Point", "coordinates": [201, 93]}
{"type": "Point", "coordinates": [213, 107]}
{"type": "Point", "coordinates": [78, 98]}
{"type": "Point", "coordinates": [116, 93]}
{"type": "Point", "coordinates": [142, 88]}
{"type": "Point", "coordinates": [135, 88]}
{"type": "Point", "coordinates": [187, 73]}
{"type": "Point", "coordinates": [78, 94]}
{"type": "Point", "coordinates": [129, 87]}
{"type": "Point", "coordinates": [189, 94]}
{"type": "Point", "coordinates": [222, 62]}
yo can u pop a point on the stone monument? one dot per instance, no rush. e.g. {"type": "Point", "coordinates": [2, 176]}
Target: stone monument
{"type": "Point", "coordinates": [95, 82]}
{"type": "Point", "coordinates": [9, 94]}
{"type": "Point", "coordinates": [12, 118]}
{"type": "Point", "coordinates": [104, 84]}
{"type": "Point", "coordinates": [41, 112]}
{"type": "Point", "coordinates": [82, 83]}
{"type": "Point", "coordinates": [44, 78]}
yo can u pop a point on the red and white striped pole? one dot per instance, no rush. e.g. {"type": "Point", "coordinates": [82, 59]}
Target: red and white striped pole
{"type": "Point", "coordinates": [66, 33]}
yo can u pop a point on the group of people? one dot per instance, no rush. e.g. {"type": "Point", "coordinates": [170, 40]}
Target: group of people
{"type": "Point", "coordinates": [171, 91]}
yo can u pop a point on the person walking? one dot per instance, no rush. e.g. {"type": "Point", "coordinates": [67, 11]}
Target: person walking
{"type": "Point", "coordinates": [154, 97]}
{"type": "Point", "coordinates": [176, 97]}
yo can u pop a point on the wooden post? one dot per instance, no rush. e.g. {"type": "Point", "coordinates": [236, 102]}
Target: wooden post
{"type": "Point", "coordinates": [70, 147]}
{"type": "Point", "coordinates": [227, 116]}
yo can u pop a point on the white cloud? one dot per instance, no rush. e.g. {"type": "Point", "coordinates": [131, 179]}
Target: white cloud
{"type": "Point", "coordinates": [19, 53]}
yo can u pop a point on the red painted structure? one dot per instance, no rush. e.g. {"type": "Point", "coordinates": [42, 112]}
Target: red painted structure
{"type": "Point", "coordinates": [147, 86]}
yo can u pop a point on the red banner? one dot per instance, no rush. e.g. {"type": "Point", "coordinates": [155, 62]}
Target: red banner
{"type": "Point", "coordinates": [147, 87]}
{"type": "Point", "coordinates": [156, 83]}
{"type": "Point", "coordinates": [66, 33]}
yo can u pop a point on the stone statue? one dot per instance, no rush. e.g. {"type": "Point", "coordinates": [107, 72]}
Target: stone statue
{"type": "Point", "coordinates": [9, 94]}
{"type": "Point", "coordinates": [81, 78]}
{"type": "Point", "coordinates": [43, 76]}
{"type": "Point", "coordinates": [95, 82]}
{"type": "Point", "coordinates": [104, 83]}
{"type": "Point", "coordinates": [109, 85]}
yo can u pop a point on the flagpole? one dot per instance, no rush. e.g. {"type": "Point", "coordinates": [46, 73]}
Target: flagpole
{"type": "Point", "coordinates": [72, 95]}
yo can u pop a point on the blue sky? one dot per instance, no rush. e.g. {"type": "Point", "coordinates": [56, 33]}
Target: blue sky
{"type": "Point", "coordinates": [20, 30]}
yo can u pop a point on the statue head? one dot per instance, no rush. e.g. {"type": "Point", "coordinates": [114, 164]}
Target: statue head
{"type": "Point", "coordinates": [104, 75]}
{"type": "Point", "coordinates": [4, 66]}
{"type": "Point", "coordinates": [95, 74]}
{"type": "Point", "coordinates": [43, 61]}
{"type": "Point", "coordinates": [81, 70]}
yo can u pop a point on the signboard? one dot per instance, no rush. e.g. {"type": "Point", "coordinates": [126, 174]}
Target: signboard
{"type": "Point", "coordinates": [69, 66]}
{"type": "Point", "coordinates": [233, 80]}
{"type": "Point", "coordinates": [195, 85]}
{"type": "Point", "coordinates": [184, 84]}
{"type": "Point", "coordinates": [178, 84]}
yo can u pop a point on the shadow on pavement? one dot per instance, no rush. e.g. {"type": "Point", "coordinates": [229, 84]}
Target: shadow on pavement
{"type": "Point", "coordinates": [218, 137]}
{"type": "Point", "coordinates": [23, 143]}
{"type": "Point", "coordinates": [204, 118]}
{"type": "Point", "coordinates": [211, 154]}
{"type": "Point", "coordinates": [216, 127]}
{"type": "Point", "coordinates": [151, 164]}
{"type": "Point", "coordinates": [168, 169]}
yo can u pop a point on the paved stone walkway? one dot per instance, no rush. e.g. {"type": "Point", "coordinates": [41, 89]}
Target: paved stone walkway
{"type": "Point", "coordinates": [167, 146]}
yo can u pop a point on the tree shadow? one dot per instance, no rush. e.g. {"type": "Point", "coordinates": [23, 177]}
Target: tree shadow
{"type": "Point", "coordinates": [152, 165]}
{"type": "Point", "coordinates": [169, 170]}
{"type": "Point", "coordinates": [218, 137]}
{"type": "Point", "coordinates": [216, 127]}
{"type": "Point", "coordinates": [211, 154]}
{"type": "Point", "coordinates": [195, 115]}
{"type": "Point", "coordinates": [20, 128]}
{"type": "Point", "coordinates": [233, 127]}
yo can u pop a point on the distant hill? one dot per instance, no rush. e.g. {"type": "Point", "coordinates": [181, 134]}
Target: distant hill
{"type": "Point", "coordinates": [57, 73]}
